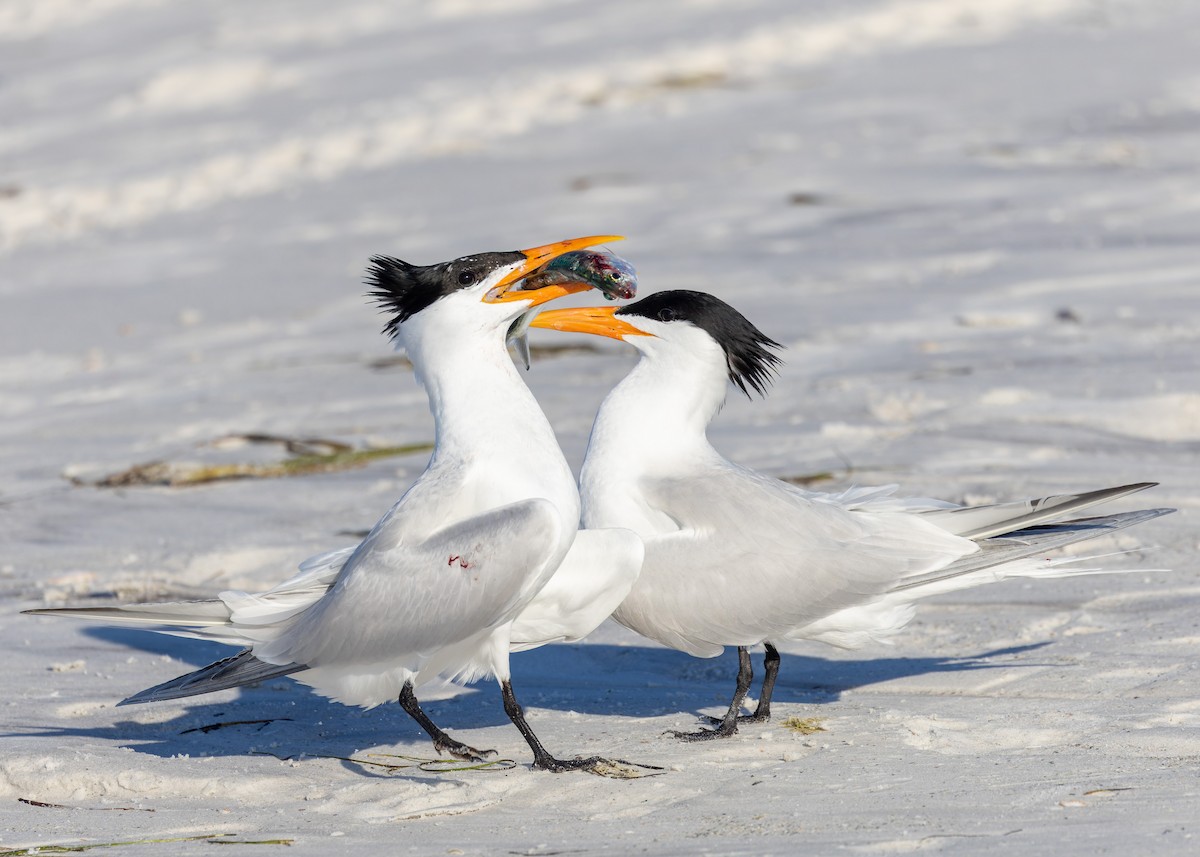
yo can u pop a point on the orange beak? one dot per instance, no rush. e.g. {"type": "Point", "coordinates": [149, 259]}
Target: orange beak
{"type": "Point", "coordinates": [598, 320]}
{"type": "Point", "coordinates": [536, 257]}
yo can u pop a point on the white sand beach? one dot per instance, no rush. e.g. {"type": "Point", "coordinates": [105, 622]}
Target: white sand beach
{"type": "Point", "coordinates": [974, 225]}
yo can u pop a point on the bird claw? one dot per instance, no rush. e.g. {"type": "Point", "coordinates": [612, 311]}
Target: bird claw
{"type": "Point", "coordinates": [461, 751]}
{"type": "Point", "coordinates": [703, 734]}
{"type": "Point", "coordinates": [617, 769]}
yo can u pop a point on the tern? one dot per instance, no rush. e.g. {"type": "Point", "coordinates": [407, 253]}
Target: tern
{"type": "Point", "coordinates": [473, 561]}
{"type": "Point", "coordinates": [736, 558]}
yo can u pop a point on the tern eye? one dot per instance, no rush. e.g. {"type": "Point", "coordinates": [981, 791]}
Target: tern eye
{"type": "Point", "coordinates": [666, 314]}
{"type": "Point", "coordinates": [466, 278]}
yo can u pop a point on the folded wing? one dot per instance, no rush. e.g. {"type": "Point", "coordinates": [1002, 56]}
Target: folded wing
{"type": "Point", "coordinates": [363, 620]}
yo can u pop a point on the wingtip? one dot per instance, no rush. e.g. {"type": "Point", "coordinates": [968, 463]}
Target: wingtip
{"type": "Point", "coordinates": [1158, 513]}
{"type": "Point", "coordinates": [152, 694]}
{"type": "Point", "coordinates": [142, 696]}
{"type": "Point", "coordinates": [137, 698]}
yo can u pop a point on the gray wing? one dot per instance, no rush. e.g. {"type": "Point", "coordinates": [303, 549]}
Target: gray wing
{"type": "Point", "coordinates": [397, 603]}
{"type": "Point", "coordinates": [1018, 554]}
{"type": "Point", "coordinates": [753, 559]}
{"type": "Point", "coordinates": [381, 606]}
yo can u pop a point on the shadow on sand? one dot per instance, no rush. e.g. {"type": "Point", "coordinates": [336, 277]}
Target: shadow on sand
{"type": "Point", "coordinates": [286, 719]}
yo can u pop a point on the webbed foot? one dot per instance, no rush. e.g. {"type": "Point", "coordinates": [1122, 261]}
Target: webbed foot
{"type": "Point", "coordinates": [459, 750]}
{"type": "Point", "coordinates": [617, 769]}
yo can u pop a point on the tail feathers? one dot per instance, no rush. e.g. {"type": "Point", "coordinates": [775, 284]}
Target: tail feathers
{"type": "Point", "coordinates": [241, 669]}
{"type": "Point", "coordinates": [1027, 542]}
{"type": "Point", "coordinates": [1020, 554]}
{"type": "Point", "coordinates": [981, 522]}
{"type": "Point", "coordinates": [181, 614]}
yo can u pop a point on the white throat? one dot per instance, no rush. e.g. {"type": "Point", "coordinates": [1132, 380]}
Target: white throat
{"type": "Point", "coordinates": [652, 425]}
{"type": "Point", "coordinates": [493, 444]}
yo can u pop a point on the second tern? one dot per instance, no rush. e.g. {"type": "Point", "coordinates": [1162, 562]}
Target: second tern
{"type": "Point", "coordinates": [736, 558]}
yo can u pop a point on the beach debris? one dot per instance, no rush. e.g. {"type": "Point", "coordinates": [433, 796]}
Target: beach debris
{"type": "Point", "coordinates": [44, 805]}
{"type": "Point", "coordinates": [619, 769]}
{"type": "Point", "coordinates": [304, 456]}
{"type": "Point", "coordinates": [612, 768]}
{"type": "Point", "coordinates": [213, 727]}
{"type": "Point", "coordinates": [805, 198]}
{"type": "Point", "coordinates": [211, 838]}
{"type": "Point", "coordinates": [804, 725]}
{"type": "Point", "coordinates": [698, 79]}
{"type": "Point", "coordinates": [808, 478]}
{"type": "Point", "coordinates": [431, 766]}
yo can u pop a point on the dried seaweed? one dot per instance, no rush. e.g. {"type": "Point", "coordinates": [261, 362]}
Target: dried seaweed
{"type": "Point", "coordinates": [306, 456]}
{"type": "Point", "coordinates": [804, 725]}
{"type": "Point", "coordinates": [45, 805]}
{"type": "Point", "coordinates": [211, 838]}
{"type": "Point", "coordinates": [808, 478]}
{"type": "Point", "coordinates": [431, 766]}
{"type": "Point", "coordinates": [213, 727]}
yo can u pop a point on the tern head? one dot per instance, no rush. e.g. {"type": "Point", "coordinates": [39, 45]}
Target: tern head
{"type": "Point", "coordinates": [476, 292]}
{"type": "Point", "coordinates": [681, 324]}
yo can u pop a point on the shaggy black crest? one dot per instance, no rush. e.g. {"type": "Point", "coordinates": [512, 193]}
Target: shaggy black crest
{"type": "Point", "coordinates": [403, 290]}
{"type": "Point", "coordinates": [751, 365]}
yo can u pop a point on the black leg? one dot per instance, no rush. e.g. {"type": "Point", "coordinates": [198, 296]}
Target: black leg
{"type": "Point", "coordinates": [728, 724]}
{"type": "Point", "coordinates": [544, 761]}
{"type": "Point", "coordinates": [762, 711]}
{"type": "Point", "coordinates": [442, 742]}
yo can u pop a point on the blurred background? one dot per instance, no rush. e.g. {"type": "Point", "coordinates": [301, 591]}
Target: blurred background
{"type": "Point", "coordinates": [974, 223]}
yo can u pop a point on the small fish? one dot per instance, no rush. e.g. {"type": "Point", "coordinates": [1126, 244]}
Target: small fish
{"type": "Point", "coordinates": [611, 275]}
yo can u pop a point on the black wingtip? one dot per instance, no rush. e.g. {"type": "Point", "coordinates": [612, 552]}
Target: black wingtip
{"type": "Point", "coordinates": [236, 671]}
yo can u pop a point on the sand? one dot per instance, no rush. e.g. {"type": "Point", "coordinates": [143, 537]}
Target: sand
{"type": "Point", "coordinates": [974, 225]}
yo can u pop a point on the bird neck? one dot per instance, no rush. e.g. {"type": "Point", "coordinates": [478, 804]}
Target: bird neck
{"type": "Point", "coordinates": [655, 421]}
{"type": "Point", "coordinates": [493, 444]}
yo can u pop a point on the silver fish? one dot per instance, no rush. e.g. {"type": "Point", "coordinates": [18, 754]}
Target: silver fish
{"type": "Point", "coordinates": [611, 275]}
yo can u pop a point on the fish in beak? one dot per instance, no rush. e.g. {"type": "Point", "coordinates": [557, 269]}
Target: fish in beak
{"type": "Point", "coordinates": [510, 287]}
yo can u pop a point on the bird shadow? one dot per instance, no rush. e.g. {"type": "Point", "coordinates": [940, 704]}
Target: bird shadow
{"type": "Point", "coordinates": [285, 719]}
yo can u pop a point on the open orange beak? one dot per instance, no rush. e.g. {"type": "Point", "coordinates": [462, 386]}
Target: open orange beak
{"type": "Point", "coordinates": [598, 320]}
{"type": "Point", "coordinates": [536, 257]}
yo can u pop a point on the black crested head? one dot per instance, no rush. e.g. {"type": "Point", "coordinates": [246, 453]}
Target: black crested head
{"type": "Point", "coordinates": [403, 290]}
{"type": "Point", "coordinates": [750, 363]}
